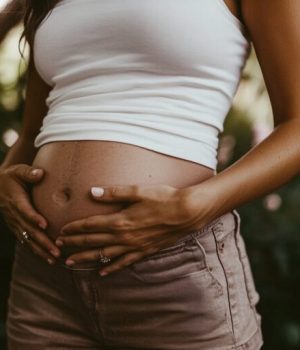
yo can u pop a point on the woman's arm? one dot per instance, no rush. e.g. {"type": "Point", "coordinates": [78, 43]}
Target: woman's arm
{"type": "Point", "coordinates": [35, 108]}
{"type": "Point", "coordinates": [275, 31]}
{"type": "Point", "coordinates": [16, 172]}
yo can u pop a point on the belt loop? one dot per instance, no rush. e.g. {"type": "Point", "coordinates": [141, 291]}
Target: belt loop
{"type": "Point", "coordinates": [237, 219]}
{"type": "Point", "coordinates": [203, 251]}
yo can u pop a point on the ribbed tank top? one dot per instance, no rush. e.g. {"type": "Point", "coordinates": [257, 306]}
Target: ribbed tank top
{"type": "Point", "coordinates": [159, 74]}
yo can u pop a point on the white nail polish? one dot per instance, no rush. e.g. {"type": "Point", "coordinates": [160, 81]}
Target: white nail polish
{"type": "Point", "coordinates": [36, 172]}
{"type": "Point", "coordinates": [97, 191]}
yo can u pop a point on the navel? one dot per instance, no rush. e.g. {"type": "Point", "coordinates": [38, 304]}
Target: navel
{"type": "Point", "coordinates": [62, 196]}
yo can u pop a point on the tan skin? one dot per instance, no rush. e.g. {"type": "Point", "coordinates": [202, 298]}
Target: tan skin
{"type": "Point", "coordinates": [161, 210]}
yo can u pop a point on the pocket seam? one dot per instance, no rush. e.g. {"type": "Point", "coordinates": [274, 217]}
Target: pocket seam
{"type": "Point", "coordinates": [169, 251]}
{"type": "Point", "coordinates": [241, 259]}
{"type": "Point", "coordinates": [140, 278]}
{"type": "Point", "coordinates": [231, 325]}
{"type": "Point", "coordinates": [182, 247]}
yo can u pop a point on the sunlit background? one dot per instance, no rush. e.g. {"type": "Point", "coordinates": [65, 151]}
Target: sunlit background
{"type": "Point", "coordinates": [3, 3]}
{"type": "Point", "coordinates": [270, 225]}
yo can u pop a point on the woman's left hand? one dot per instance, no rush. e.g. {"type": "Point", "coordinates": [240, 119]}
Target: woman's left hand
{"type": "Point", "coordinates": [158, 215]}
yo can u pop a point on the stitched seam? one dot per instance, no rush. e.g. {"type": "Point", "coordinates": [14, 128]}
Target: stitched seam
{"type": "Point", "coordinates": [254, 339]}
{"type": "Point", "coordinates": [240, 255]}
{"type": "Point", "coordinates": [89, 308]}
{"type": "Point", "coordinates": [94, 311]}
{"type": "Point", "coordinates": [237, 225]}
{"type": "Point", "coordinates": [227, 285]}
{"type": "Point", "coordinates": [140, 278]}
{"type": "Point", "coordinates": [172, 250]}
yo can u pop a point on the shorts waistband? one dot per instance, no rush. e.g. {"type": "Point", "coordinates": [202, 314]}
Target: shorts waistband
{"type": "Point", "coordinates": [220, 225]}
{"type": "Point", "coordinates": [228, 220]}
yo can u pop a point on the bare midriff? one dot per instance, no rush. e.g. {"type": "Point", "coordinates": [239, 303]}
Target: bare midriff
{"type": "Point", "coordinates": [73, 167]}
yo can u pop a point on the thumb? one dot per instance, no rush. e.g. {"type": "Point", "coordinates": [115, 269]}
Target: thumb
{"type": "Point", "coordinates": [28, 173]}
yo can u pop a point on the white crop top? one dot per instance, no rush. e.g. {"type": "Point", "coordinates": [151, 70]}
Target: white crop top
{"type": "Point", "coordinates": [159, 74]}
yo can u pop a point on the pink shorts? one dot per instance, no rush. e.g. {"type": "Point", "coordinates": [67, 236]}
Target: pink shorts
{"type": "Point", "coordinates": [197, 294]}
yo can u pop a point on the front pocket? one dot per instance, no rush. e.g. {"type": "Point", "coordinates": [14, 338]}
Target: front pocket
{"type": "Point", "coordinates": [171, 263]}
{"type": "Point", "coordinates": [172, 250]}
{"type": "Point", "coordinates": [180, 286]}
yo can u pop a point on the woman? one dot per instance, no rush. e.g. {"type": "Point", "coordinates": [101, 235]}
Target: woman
{"type": "Point", "coordinates": [124, 104]}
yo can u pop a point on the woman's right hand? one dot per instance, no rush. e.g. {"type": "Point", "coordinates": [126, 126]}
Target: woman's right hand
{"type": "Point", "coordinates": [18, 212]}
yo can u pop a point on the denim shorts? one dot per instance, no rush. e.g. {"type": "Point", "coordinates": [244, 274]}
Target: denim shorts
{"type": "Point", "coordinates": [197, 294]}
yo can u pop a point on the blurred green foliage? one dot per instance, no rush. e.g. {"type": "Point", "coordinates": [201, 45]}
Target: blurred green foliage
{"type": "Point", "coordinates": [269, 226]}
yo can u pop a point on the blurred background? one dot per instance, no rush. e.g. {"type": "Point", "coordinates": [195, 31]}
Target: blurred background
{"type": "Point", "coordinates": [270, 225]}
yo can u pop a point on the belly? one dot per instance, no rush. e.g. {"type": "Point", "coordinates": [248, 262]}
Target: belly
{"type": "Point", "coordinates": [73, 167]}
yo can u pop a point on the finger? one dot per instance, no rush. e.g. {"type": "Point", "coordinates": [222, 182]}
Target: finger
{"type": "Point", "coordinates": [96, 223]}
{"type": "Point", "coordinates": [132, 193]}
{"type": "Point", "coordinates": [40, 252]}
{"type": "Point", "coordinates": [27, 173]}
{"type": "Point", "coordinates": [39, 237]}
{"type": "Point", "coordinates": [35, 248]}
{"type": "Point", "coordinates": [86, 240]}
{"type": "Point", "coordinates": [117, 193]}
{"type": "Point", "coordinates": [122, 262]}
{"type": "Point", "coordinates": [94, 255]}
{"type": "Point", "coordinates": [25, 208]}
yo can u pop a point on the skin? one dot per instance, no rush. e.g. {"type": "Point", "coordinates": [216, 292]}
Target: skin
{"type": "Point", "coordinates": [16, 176]}
{"type": "Point", "coordinates": [157, 215]}
{"type": "Point", "coordinates": [25, 208]}
{"type": "Point", "coordinates": [275, 33]}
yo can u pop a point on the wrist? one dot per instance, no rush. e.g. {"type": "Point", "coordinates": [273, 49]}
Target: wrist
{"type": "Point", "coordinates": [200, 203]}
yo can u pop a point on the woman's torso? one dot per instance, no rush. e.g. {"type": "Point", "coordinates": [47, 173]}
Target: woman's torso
{"type": "Point", "coordinates": [73, 167]}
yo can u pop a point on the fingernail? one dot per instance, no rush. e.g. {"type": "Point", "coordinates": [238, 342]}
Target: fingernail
{"type": "Point", "coordinates": [103, 273]}
{"type": "Point", "coordinates": [97, 191]}
{"type": "Point", "coordinates": [70, 262]}
{"type": "Point", "coordinates": [56, 253]}
{"type": "Point", "coordinates": [59, 243]}
{"type": "Point", "coordinates": [42, 225]}
{"type": "Point", "coordinates": [50, 261]}
{"type": "Point", "coordinates": [36, 172]}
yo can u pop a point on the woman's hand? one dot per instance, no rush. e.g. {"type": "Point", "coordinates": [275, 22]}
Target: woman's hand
{"type": "Point", "coordinates": [18, 212]}
{"type": "Point", "coordinates": [157, 217]}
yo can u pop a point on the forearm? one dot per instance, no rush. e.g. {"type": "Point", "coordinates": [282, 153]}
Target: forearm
{"type": "Point", "coordinates": [269, 165]}
{"type": "Point", "coordinates": [23, 151]}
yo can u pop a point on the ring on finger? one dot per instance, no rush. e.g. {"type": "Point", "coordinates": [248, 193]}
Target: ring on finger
{"type": "Point", "coordinates": [103, 258]}
{"type": "Point", "coordinates": [26, 237]}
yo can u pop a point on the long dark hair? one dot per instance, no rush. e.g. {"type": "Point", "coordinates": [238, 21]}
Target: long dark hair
{"type": "Point", "coordinates": [33, 14]}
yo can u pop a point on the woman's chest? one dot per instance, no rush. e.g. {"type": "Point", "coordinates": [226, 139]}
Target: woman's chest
{"type": "Point", "coordinates": [175, 35]}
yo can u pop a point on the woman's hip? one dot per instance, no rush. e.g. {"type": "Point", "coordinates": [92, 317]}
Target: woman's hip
{"type": "Point", "coordinates": [197, 294]}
